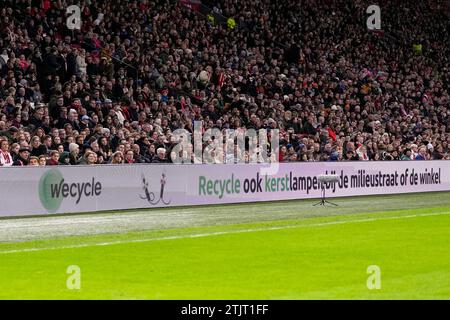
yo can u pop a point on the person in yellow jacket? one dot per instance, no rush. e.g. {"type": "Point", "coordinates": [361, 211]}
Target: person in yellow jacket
{"type": "Point", "coordinates": [231, 23]}
{"type": "Point", "coordinates": [211, 19]}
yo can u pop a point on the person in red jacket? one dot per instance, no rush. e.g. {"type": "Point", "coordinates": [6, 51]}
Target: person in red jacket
{"type": "Point", "coordinates": [129, 157]}
{"type": "Point", "coordinates": [54, 158]}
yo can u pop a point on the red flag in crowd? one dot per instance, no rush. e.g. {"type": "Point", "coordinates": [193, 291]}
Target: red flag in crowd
{"type": "Point", "coordinates": [46, 5]}
{"type": "Point", "coordinates": [221, 80]}
{"type": "Point", "coordinates": [331, 133]}
{"type": "Point", "coordinates": [183, 103]}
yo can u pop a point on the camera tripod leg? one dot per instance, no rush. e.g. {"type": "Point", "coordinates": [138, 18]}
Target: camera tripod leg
{"type": "Point", "coordinates": [323, 201]}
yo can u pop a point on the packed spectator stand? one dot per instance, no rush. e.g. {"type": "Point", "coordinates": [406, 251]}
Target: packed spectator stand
{"type": "Point", "coordinates": [116, 90]}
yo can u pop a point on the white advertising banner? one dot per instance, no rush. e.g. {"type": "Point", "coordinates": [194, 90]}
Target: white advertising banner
{"type": "Point", "coordinates": [66, 189]}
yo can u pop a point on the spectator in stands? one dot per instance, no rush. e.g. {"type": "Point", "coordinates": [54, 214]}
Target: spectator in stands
{"type": "Point", "coordinates": [117, 158]}
{"type": "Point", "coordinates": [23, 157]}
{"type": "Point", "coordinates": [74, 150]}
{"type": "Point", "coordinates": [129, 157]}
{"type": "Point", "coordinates": [64, 158]}
{"type": "Point", "coordinates": [34, 161]}
{"type": "Point", "coordinates": [6, 159]}
{"type": "Point", "coordinates": [14, 150]}
{"type": "Point", "coordinates": [422, 155]}
{"type": "Point", "coordinates": [54, 158]}
{"type": "Point", "coordinates": [160, 156]}
{"type": "Point", "coordinates": [89, 158]}
{"type": "Point", "coordinates": [42, 161]}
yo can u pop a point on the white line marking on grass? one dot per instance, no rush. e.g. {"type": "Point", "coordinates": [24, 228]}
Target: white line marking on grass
{"type": "Point", "coordinates": [211, 234]}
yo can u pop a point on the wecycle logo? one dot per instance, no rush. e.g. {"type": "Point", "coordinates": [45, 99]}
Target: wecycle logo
{"type": "Point", "coordinates": [53, 189]}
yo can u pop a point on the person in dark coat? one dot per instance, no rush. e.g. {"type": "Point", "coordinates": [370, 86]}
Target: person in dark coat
{"type": "Point", "coordinates": [64, 159]}
{"type": "Point", "coordinates": [23, 158]}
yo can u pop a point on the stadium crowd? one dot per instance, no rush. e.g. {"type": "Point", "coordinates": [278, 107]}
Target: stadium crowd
{"type": "Point", "coordinates": [114, 91]}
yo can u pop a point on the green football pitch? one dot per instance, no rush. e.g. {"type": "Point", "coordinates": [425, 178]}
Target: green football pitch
{"type": "Point", "coordinates": [377, 247]}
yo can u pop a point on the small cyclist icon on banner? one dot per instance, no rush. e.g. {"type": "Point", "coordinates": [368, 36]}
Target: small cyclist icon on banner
{"type": "Point", "coordinates": [150, 196]}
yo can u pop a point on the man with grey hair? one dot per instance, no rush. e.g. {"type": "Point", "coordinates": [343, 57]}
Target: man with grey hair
{"type": "Point", "coordinates": [74, 150]}
{"type": "Point", "coordinates": [160, 156]}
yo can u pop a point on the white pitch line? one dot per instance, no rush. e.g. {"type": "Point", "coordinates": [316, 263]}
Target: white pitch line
{"type": "Point", "coordinates": [203, 235]}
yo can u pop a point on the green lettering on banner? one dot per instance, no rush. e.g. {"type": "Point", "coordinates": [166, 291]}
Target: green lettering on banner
{"type": "Point", "coordinates": [278, 183]}
{"type": "Point", "coordinates": [201, 185]}
{"type": "Point", "coordinates": [273, 183]}
{"type": "Point", "coordinates": [218, 187]}
{"type": "Point", "coordinates": [216, 191]}
{"type": "Point", "coordinates": [228, 186]}
{"type": "Point", "coordinates": [209, 187]}
{"type": "Point", "coordinates": [237, 186]}
{"type": "Point", "coordinates": [266, 183]}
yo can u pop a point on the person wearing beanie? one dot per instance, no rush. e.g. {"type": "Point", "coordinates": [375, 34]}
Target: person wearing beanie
{"type": "Point", "coordinates": [406, 156]}
{"type": "Point", "coordinates": [64, 159]}
{"type": "Point", "coordinates": [23, 158]}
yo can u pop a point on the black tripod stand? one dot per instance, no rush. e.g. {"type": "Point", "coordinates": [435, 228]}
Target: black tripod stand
{"type": "Point", "coordinates": [322, 201]}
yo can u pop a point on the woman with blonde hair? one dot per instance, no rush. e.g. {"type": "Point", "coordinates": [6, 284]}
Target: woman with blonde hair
{"type": "Point", "coordinates": [117, 158]}
{"type": "Point", "coordinates": [90, 158]}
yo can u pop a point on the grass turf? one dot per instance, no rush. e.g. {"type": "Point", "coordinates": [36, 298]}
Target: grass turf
{"type": "Point", "coordinates": [324, 256]}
